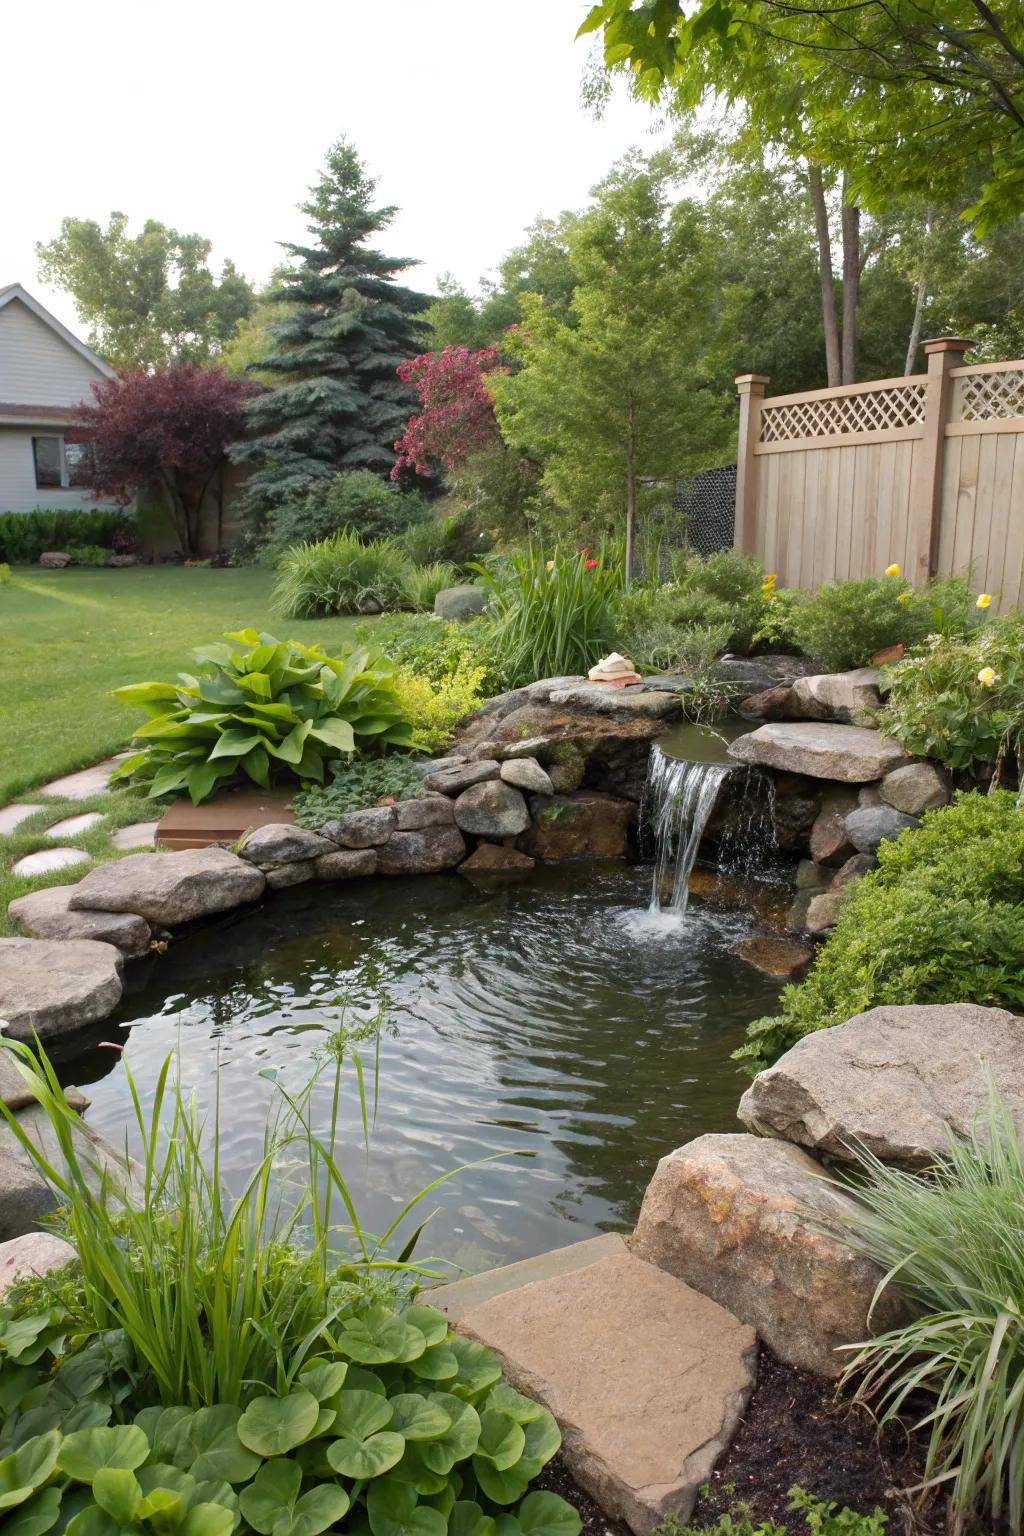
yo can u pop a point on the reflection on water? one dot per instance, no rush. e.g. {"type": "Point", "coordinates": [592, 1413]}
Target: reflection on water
{"type": "Point", "coordinates": [552, 1020]}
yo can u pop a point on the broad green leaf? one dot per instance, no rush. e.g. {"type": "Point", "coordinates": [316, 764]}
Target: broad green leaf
{"type": "Point", "coordinates": [502, 1440]}
{"type": "Point", "coordinates": [336, 733]}
{"type": "Point", "coordinates": [437, 1363]}
{"type": "Point", "coordinates": [318, 1509]}
{"type": "Point", "coordinates": [38, 1515]}
{"type": "Point", "coordinates": [91, 1521]}
{"type": "Point", "coordinates": [236, 743]}
{"type": "Point", "coordinates": [161, 1477]}
{"type": "Point", "coordinates": [459, 1441]}
{"type": "Point", "coordinates": [83, 1454]}
{"type": "Point", "coordinates": [208, 1520]}
{"type": "Point", "coordinates": [273, 1425]}
{"type": "Point", "coordinates": [505, 1487]}
{"type": "Point", "coordinates": [117, 1492]}
{"type": "Point", "coordinates": [468, 1519]}
{"type": "Point", "coordinates": [134, 694]}
{"type": "Point", "coordinates": [431, 1323]}
{"type": "Point", "coordinates": [478, 1367]}
{"type": "Point", "coordinates": [508, 1400]}
{"type": "Point", "coordinates": [394, 1510]}
{"type": "Point", "coordinates": [362, 1413]}
{"type": "Point", "coordinates": [544, 1514]}
{"type": "Point", "coordinates": [418, 1418]}
{"type": "Point", "coordinates": [542, 1436]}
{"type": "Point", "coordinates": [169, 1435]}
{"type": "Point", "coordinates": [86, 1416]}
{"type": "Point", "coordinates": [365, 1459]}
{"type": "Point", "coordinates": [220, 1454]}
{"type": "Point", "coordinates": [378, 1337]}
{"type": "Point", "coordinates": [324, 1378]}
{"type": "Point", "coordinates": [359, 1380]}
{"type": "Point", "coordinates": [273, 1490]}
{"type": "Point", "coordinates": [27, 1469]}
{"type": "Point", "coordinates": [413, 1469]}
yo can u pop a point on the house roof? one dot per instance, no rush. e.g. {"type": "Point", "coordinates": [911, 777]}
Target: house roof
{"type": "Point", "coordinates": [16, 291]}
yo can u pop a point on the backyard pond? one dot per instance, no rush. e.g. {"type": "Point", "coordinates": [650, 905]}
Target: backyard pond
{"type": "Point", "coordinates": [556, 1020]}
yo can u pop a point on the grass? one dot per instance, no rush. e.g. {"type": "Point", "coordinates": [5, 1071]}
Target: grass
{"type": "Point", "coordinates": [72, 636]}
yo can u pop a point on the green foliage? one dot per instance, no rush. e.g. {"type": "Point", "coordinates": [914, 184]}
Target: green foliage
{"type": "Point", "coordinates": [552, 617]}
{"type": "Point", "coordinates": [87, 554]}
{"type": "Point", "coordinates": [962, 700]}
{"type": "Point", "coordinates": [434, 648]}
{"type": "Point", "coordinates": [341, 574]}
{"type": "Point", "coordinates": [952, 1244]}
{"type": "Point", "coordinates": [357, 501]}
{"type": "Point", "coordinates": [5, 573]}
{"type": "Point", "coordinates": [452, 536]}
{"type": "Point", "coordinates": [194, 1367]}
{"type": "Point", "coordinates": [711, 605]}
{"type": "Point", "coordinates": [845, 623]}
{"type": "Point", "coordinates": [263, 709]}
{"type": "Point", "coordinates": [823, 1519]}
{"type": "Point", "coordinates": [25, 535]}
{"type": "Point", "coordinates": [776, 630]}
{"type": "Point", "coordinates": [941, 920]}
{"type": "Point", "coordinates": [424, 582]}
{"type": "Point", "coordinates": [435, 707]}
{"type": "Point", "coordinates": [357, 782]}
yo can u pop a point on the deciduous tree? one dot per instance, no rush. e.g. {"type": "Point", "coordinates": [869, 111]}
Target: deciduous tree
{"type": "Point", "coordinates": [457, 418]}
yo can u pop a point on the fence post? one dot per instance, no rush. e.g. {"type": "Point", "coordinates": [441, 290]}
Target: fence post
{"type": "Point", "coordinates": [750, 387]}
{"type": "Point", "coordinates": [943, 354]}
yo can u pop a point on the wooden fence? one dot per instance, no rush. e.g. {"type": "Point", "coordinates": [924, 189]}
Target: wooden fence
{"type": "Point", "coordinates": [926, 472]}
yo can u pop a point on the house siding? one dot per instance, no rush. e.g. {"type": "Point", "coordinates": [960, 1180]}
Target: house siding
{"type": "Point", "coordinates": [36, 366]}
{"type": "Point", "coordinates": [18, 489]}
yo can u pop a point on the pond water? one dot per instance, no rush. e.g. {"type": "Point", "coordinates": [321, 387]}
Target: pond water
{"type": "Point", "coordinates": [556, 1020]}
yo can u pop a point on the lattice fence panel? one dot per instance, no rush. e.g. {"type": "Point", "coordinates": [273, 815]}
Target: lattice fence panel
{"type": "Point", "coordinates": [992, 396]}
{"type": "Point", "coordinates": [901, 406]}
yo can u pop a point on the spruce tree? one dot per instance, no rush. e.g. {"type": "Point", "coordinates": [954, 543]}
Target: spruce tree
{"type": "Point", "coordinates": [348, 324]}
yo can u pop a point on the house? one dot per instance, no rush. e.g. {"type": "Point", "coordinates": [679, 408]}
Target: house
{"type": "Point", "coordinates": [44, 372]}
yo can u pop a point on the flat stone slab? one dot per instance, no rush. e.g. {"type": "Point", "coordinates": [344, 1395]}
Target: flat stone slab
{"type": "Point", "coordinates": [141, 834]}
{"type": "Point", "coordinates": [603, 699]}
{"type": "Point", "coordinates": [850, 753]}
{"type": "Point", "coordinates": [12, 816]}
{"type": "Point", "coordinates": [47, 915]}
{"type": "Point", "coordinates": [223, 819]}
{"type": "Point", "coordinates": [83, 785]}
{"type": "Point", "coordinates": [896, 1080]}
{"type": "Point", "coordinates": [52, 987]}
{"type": "Point", "coordinates": [74, 826]}
{"type": "Point", "coordinates": [647, 1378]}
{"type": "Point", "coordinates": [46, 860]}
{"type": "Point", "coordinates": [26, 1200]}
{"type": "Point", "coordinates": [30, 1256]}
{"type": "Point", "coordinates": [170, 888]}
{"type": "Point", "coordinates": [456, 1299]}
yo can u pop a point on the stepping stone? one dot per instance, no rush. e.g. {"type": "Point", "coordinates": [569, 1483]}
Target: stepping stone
{"type": "Point", "coordinates": [83, 785]}
{"type": "Point", "coordinates": [142, 834]}
{"type": "Point", "coordinates": [457, 1298]}
{"type": "Point", "coordinates": [46, 915]}
{"type": "Point", "coordinates": [12, 816]}
{"type": "Point", "coordinates": [648, 1379]}
{"type": "Point", "coordinates": [74, 826]}
{"type": "Point", "coordinates": [170, 888]}
{"type": "Point", "coordinates": [849, 753]}
{"type": "Point", "coordinates": [52, 987]}
{"type": "Point", "coordinates": [48, 859]}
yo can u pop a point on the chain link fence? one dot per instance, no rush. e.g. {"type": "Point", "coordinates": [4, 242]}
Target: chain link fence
{"type": "Point", "coordinates": [697, 514]}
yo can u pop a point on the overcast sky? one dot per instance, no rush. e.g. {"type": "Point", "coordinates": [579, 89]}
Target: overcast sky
{"type": "Point", "coordinates": [214, 115]}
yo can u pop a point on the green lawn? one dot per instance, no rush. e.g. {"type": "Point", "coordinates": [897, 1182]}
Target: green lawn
{"type": "Point", "coordinates": [71, 636]}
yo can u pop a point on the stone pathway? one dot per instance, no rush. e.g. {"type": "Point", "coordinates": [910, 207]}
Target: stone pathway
{"type": "Point", "coordinates": [73, 786]}
{"type": "Point", "coordinates": [46, 860]}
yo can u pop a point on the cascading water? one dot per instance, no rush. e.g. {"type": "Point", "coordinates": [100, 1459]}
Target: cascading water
{"type": "Point", "coordinates": [678, 799]}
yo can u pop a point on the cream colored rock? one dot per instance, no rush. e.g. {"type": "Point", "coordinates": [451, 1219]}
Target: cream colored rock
{"type": "Point", "coordinates": [47, 914]}
{"type": "Point", "coordinates": [746, 1221]}
{"type": "Point", "coordinates": [851, 698]}
{"type": "Point", "coordinates": [51, 987]}
{"type": "Point", "coordinates": [32, 1255]}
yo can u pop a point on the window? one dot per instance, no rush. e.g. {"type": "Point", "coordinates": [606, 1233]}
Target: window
{"type": "Point", "coordinates": [59, 464]}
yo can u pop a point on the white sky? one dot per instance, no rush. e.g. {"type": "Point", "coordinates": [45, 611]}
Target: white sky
{"type": "Point", "coordinates": [214, 115]}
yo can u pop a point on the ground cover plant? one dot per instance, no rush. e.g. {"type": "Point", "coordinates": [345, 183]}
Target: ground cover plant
{"type": "Point", "coordinates": [552, 616]}
{"type": "Point", "coordinates": [196, 1371]}
{"type": "Point", "coordinates": [356, 783]}
{"type": "Point", "coordinates": [820, 1518]}
{"type": "Point", "coordinates": [953, 1244]}
{"type": "Point", "coordinates": [261, 709]}
{"type": "Point", "coordinates": [941, 920]}
{"type": "Point", "coordinates": [435, 648]}
{"type": "Point", "coordinates": [71, 637]}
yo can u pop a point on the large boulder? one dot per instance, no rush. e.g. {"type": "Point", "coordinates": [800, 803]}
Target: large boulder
{"type": "Point", "coordinates": [916, 788]}
{"type": "Point", "coordinates": [603, 699]}
{"type": "Point", "coordinates": [750, 1223]}
{"type": "Point", "coordinates": [830, 841]}
{"type": "Point", "coordinates": [493, 809]}
{"type": "Point", "coordinates": [367, 828]}
{"type": "Point", "coordinates": [896, 1080]}
{"type": "Point", "coordinates": [170, 888]}
{"type": "Point", "coordinates": [31, 1256]}
{"type": "Point", "coordinates": [586, 824]}
{"type": "Point", "coordinates": [282, 843]}
{"type": "Point", "coordinates": [458, 603]}
{"type": "Point", "coordinates": [852, 698]}
{"type": "Point", "coordinates": [47, 914]}
{"type": "Point", "coordinates": [427, 811]}
{"type": "Point", "coordinates": [50, 987]}
{"type": "Point", "coordinates": [870, 826]}
{"type": "Point", "coordinates": [849, 753]}
{"type": "Point", "coordinates": [452, 781]}
{"type": "Point", "coordinates": [426, 852]}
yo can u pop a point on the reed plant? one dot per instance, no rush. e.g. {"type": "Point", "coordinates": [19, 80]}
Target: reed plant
{"type": "Point", "coordinates": [424, 582]}
{"type": "Point", "coordinates": [953, 1245]}
{"type": "Point", "coordinates": [553, 616]}
{"type": "Point", "coordinates": [216, 1293]}
{"type": "Point", "coordinates": [341, 574]}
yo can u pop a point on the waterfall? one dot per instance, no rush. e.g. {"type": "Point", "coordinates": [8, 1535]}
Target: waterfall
{"type": "Point", "coordinates": [678, 800]}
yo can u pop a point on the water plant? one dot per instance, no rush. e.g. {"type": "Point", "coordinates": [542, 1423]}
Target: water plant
{"type": "Point", "coordinates": [262, 709]}
{"type": "Point", "coordinates": [553, 616]}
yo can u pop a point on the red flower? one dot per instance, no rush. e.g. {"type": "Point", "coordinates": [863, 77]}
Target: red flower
{"type": "Point", "coordinates": [588, 565]}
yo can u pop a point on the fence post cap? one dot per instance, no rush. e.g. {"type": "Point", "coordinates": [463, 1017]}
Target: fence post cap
{"type": "Point", "coordinates": [752, 378]}
{"type": "Point", "coordinates": [959, 344]}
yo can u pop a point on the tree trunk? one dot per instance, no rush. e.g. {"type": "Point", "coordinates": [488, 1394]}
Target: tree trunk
{"type": "Point", "coordinates": [920, 294]}
{"type": "Point", "coordinates": [850, 218]}
{"type": "Point", "coordinates": [178, 513]}
{"type": "Point", "coordinates": [816, 186]}
{"type": "Point", "coordinates": [630, 486]}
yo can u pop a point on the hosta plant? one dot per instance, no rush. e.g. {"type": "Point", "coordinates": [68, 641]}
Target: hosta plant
{"type": "Point", "coordinates": [261, 709]}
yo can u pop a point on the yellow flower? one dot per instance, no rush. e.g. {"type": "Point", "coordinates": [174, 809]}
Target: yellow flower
{"type": "Point", "coordinates": [768, 585]}
{"type": "Point", "coordinates": [550, 565]}
{"type": "Point", "coordinates": [987, 677]}
{"type": "Point", "coordinates": [904, 597]}
{"type": "Point", "coordinates": [984, 598]}
{"type": "Point", "coordinates": [892, 570]}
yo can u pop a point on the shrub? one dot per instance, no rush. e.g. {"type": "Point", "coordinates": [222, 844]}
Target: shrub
{"type": "Point", "coordinates": [941, 920]}
{"type": "Point", "coordinates": [435, 648]}
{"type": "Point", "coordinates": [776, 628]}
{"type": "Point", "coordinates": [453, 536]}
{"type": "Point", "coordinates": [845, 623]}
{"type": "Point", "coordinates": [88, 554]}
{"type": "Point", "coordinates": [962, 701]}
{"type": "Point", "coordinates": [954, 1247]}
{"type": "Point", "coordinates": [5, 573]}
{"type": "Point", "coordinates": [357, 500]}
{"type": "Point", "coordinates": [25, 535]}
{"type": "Point", "coordinates": [552, 617]}
{"type": "Point", "coordinates": [262, 709]}
{"type": "Point", "coordinates": [340, 575]}
{"type": "Point", "coordinates": [249, 1378]}
{"type": "Point", "coordinates": [424, 582]}
{"type": "Point", "coordinates": [719, 601]}
{"type": "Point", "coordinates": [435, 707]}
{"type": "Point", "coordinates": [357, 782]}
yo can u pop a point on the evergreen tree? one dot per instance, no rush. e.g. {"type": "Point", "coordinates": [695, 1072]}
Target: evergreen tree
{"type": "Point", "coordinates": [339, 403]}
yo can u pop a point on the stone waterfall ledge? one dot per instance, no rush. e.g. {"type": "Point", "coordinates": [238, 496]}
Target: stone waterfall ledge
{"type": "Point", "coordinates": [848, 754]}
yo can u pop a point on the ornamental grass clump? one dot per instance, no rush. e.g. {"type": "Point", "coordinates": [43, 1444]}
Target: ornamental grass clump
{"type": "Point", "coordinates": [953, 1245]}
{"type": "Point", "coordinates": [261, 709]}
{"type": "Point", "coordinates": [552, 617]}
{"type": "Point", "coordinates": [341, 574]}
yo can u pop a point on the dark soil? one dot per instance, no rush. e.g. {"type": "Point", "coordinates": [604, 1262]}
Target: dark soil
{"type": "Point", "coordinates": [595, 1521]}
